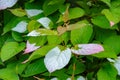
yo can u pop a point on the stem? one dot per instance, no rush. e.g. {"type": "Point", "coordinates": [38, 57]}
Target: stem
{"type": "Point", "coordinates": [73, 74]}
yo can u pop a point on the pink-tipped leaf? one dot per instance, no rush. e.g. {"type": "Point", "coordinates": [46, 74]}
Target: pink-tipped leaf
{"type": "Point", "coordinates": [30, 47]}
{"type": "Point", "coordinates": [88, 49]}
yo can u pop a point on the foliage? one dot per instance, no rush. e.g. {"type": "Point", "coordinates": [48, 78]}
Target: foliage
{"type": "Point", "coordinates": [59, 39]}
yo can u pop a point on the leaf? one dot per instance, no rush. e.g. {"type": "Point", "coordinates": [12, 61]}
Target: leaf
{"type": "Point", "coordinates": [21, 27]}
{"type": "Point", "coordinates": [30, 47]}
{"type": "Point", "coordinates": [110, 15]}
{"type": "Point", "coordinates": [33, 12]}
{"type": "Point", "coordinates": [107, 2]}
{"type": "Point", "coordinates": [34, 68]}
{"type": "Point", "coordinates": [17, 36]}
{"type": "Point", "coordinates": [76, 13]}
{"type": "Point", "coordinates": [79, 68]}
{"type": "Point", "coordinates": [66, 37]}
{"type": "Point", "coordinates": [7, 3]}
{"type": "Point", "coordinates": [42, 32]}
{"type": "Point", "coordinates": [107, 71]}
{"type": "Point", "coordinates": [50, 6]}
{"type": "Point", "coordinates": [40, 52]}
{"type": "Point", "coordinates": [19, 67]}
{"type": "Point", "coordinates": [57, 59]}
{"type": "Point", "coordinates": [60, 74]}
{"type": "Point", "coordinates": [46, 22]}
{"type": "Point", "coordinates": [3, 39]}
{"type": "Point", "coordinates": [20, 22]}
{"type": "Point", "coordinates": [116, 63]}
{"type": "Point", "coordinates": [116, 45]}
{"type": "Point", "coordinates": [81, 78]}
{"type": "Point", "coordinates": [103, 34]}
{"type": "Point", "coordinates": [88, 49]}
{"type": "Point", "coordinates": [101, 21]}
{"type": "Point", "coordinates": [18, 12]}
{"type": "Point", "coordinates": [8, 74]}
{"type": "Point", "coordinates": [10, 49]}
{"type": "Point", "coordinates": [53, 39]}
{"type": "Point", "coordinates": [81, 32]}
{"type": "Point", "coordinates": [107, 53]}
{"type": "Point", "coordinates": [61, 30]}
{"type": "Point", "coordinates": [33, 25]}
{"type": "Point", "coordinates": [39, 40]}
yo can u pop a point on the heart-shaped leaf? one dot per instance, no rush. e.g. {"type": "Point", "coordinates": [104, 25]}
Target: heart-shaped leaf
{"type": "Point", "coordinates": [57, 59]}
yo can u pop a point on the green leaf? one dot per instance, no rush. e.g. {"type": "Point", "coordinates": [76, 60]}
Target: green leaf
{"type": "Point", "coordinates": [39, 40]}
{"type": "Point", "coordinates": [60, 74]}
{"type": "Point", "coordinates": [107, 71]}
{"type": "Point", "coordinates": [33, 25]}
{"type": "Point", "coordinates": [34, 68]}
{"type": "Point", "coordinates": [101, 21]}
{"type": "Point", "coordinates": [115, 3]}
{"type": "Point", "coordinates": [79, 68]}
{"type": "Point", "coordinates": [50, 6]}
{"type": "Point", "coordinates": [3, 39]}
{"type": "Point", "coordinates": [18, 12]}
{"type": "Point", "coordinates": [10, 49]}
{"type": "Point", "coordinates": [107, 2]}
{"type": "Point", "coordinates": [76, 13]}
{"type": "Point", "coordinates": [8, 74]}
{"type": "Point", "coordinates": [102, 34]}
{"type": "Point", "coordinates": [66, 37]}
{"type": "Point", "coordinates": [114, 43]}
{"type": "Point", "coordinates": [20, 67]}
{"type": "Point", "coordinates": [53, 39]}
{"type": "Point", "coordinates": [82, 34]}
{"type": "Point", "coordinates": [110, 15]}
{"type": "Point", "coordinates": [40, 52]}
{"type": "Point", "coordinates": [107, 53]}
{"type": "Point", "coordinates": [17, 36]}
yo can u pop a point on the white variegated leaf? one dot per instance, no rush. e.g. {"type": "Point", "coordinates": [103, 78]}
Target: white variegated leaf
{"type": "Point", "coordinates": [81, 78]}
{"type": "Point", "coordinates": [54, 78]}
{"type": "Point", "coordinates": [34, 33]}
{"type": "Point", "coordinates": [88, 49]}
{"type": "Point", "coordinates": [7, 3]}
{"type": "Point", "coordinates": [33, 12]}
{"type": "Point", "coordinates": [45, 22]}
{"type": "Point", "coordinates": [20, 27]}
{"type": "Point", "coordinates": [116, 63]}
{"type": "Point", "coordinates": [42, 32]}
{"type": "Point", "coordinates": [57, 59]}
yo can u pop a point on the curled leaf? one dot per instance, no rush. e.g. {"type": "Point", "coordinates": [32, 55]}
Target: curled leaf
{"type": "Point", "coordinates": [7, 3]}
{"type": "Point", "coordinates": [30, 47]}
{"type": "Point", "coordinates": [57, 59]}
{"type": "Point", "coordinates": [88, 49]}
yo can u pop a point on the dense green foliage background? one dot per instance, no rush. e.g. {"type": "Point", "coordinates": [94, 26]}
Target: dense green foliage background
{"type": "Point", "coordinates": [62, 23]}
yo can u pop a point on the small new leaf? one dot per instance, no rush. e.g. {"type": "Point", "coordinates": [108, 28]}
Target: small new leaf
{"type": "Point", "coordinates": [30, 47]}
